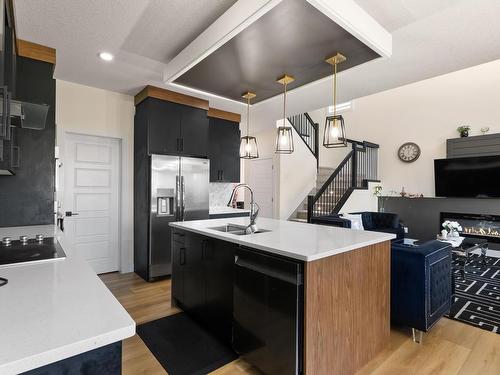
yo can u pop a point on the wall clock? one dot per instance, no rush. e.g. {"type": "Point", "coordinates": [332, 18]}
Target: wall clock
{"type": "Point", "coordinates": [409, 152]}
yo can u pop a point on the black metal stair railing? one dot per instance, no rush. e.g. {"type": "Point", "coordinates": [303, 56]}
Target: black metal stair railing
{"type": "Point", "coordinates": [308, 132]}
{"type": "Point", "coordinates": [354, 172]}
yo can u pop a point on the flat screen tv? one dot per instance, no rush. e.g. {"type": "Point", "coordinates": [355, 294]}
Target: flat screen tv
{"type": "Point", "coordinates": [474, 177]}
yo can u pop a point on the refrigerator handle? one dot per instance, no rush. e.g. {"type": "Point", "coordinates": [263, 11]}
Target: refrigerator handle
{"type": "Point", "coordinates": [177, 198]}
{"type": "Point", "coordinates": [183, 191]}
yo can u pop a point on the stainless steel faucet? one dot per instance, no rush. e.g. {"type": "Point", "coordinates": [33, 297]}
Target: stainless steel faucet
{"type": "Point", "coordinates": [254, 207]}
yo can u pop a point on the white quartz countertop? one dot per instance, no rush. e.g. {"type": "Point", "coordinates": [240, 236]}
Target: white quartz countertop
{"type": "Point", "coordinates": [302, 241]}
{"type": "Point", "coordinates": [218, 210]}
{"type": "Point", "coordinates": [52, 311]}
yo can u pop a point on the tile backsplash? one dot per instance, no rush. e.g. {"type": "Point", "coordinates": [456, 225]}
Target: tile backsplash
{"type": "Point", "coordinates": [220, 192]}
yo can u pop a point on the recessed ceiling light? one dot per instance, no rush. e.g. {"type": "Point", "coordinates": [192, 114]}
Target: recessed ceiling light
{"type": "Point", "coordinates": [106, 56]}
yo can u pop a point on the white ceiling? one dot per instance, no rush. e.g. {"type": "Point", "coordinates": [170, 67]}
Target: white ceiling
{"type": "Point", "coordinates": [430, 37]}
{"type": "Point", "coordinates": [143, 35]}
{"type": "Point", "coordinates": [394, 14]}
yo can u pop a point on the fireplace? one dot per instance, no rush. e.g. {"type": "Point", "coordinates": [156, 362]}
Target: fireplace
{"type": "Point", "coordinates": [476, 225]}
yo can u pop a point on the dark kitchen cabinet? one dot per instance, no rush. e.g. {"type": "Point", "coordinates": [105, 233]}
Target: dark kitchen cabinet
{"type": "Point", "coordinates": [224, 143]}
{"type": "Point", "coordinates": [163, 126]}
{"type": "Point", "coordinates": [194, 288]}
{"type": "Point", "coordinates": [178, 262]}
{"type": "Point", "coordinates": [175, 129]}
{"type": "Point", "coordinates": [194, 131]}
{"type": "Point", "coordinates": [202, 280]}
{"type": "Point", "coordinates": [218, 280]}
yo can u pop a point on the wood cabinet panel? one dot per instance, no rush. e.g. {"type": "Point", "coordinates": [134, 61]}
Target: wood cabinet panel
{"type": "Point", "coordinates": [347, 309]}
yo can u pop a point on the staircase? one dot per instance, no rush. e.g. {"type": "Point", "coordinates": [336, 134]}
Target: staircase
{"type": "Point", "coordinates": [358, 168]}
{"type": "Point", "coordinates": [322, 176]}
{"type": "Point", "coordinates": [334, 186]}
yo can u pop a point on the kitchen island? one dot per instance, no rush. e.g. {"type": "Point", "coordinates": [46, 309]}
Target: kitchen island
{"type": "Point", "coordinates": [295, 298]}
{"type": "Point", "coordinates": [58, 316]}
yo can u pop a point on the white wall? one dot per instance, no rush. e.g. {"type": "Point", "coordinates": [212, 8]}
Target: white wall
{"type": "Point", "coordinates": [297, 177]}
{"type": "Point", "coordinates": [361, 200]}
{"type": "Point", "coordinates": [294, 174]}
{"type": "Point", "coordinates": [427, 113]}
{"type": "Point", "coordinates": [87, 110]}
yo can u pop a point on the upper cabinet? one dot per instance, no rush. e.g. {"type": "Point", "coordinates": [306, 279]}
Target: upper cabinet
{"type": "Point", "coordinates": [171, 123]}
{"type": "Point", "coordinates": [224, 143]}
{"type": "Point", "coordinates": [172, 128]}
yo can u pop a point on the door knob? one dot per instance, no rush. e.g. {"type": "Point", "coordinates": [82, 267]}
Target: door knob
{"type": "Point", "coordinates": [70, 213]}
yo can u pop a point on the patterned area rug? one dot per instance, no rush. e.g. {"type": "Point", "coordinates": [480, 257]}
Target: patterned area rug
{"type": "Point", "coordinates": [477, 299]}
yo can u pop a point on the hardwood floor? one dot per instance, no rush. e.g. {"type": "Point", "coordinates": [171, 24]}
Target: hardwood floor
{"type": "Point", "coordinates": [450, 348]}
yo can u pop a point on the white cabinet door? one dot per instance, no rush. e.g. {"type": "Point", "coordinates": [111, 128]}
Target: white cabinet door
{"type": "Point", "coordinates": [261, 180]}
{"type": "Point", "coordinates": [91, 192]}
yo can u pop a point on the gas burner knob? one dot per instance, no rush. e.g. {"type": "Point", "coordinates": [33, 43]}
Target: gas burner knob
{"type": "Point", "coordinates": [23, 239]}
{"type": "Point", "coordinates": [39, 237]}
{"type": "Point", "coordinates": [7, 241]}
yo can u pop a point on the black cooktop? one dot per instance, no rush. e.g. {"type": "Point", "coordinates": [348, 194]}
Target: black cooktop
{"type": "Point", "coordinates": [32, 251]}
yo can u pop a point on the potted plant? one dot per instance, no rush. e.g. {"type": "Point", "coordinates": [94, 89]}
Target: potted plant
{"type": "Point", "coordinates": [463, 130]}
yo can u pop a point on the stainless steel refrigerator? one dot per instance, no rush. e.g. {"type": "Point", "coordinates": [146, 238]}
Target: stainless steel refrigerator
{"type": "Point", "coordinates": [179, 192]}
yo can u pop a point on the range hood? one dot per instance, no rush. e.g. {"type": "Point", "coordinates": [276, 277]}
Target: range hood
{"type": "Point", "coordinates": [27, 115]}
{"type": "Point", "coordinates": [24, 115]}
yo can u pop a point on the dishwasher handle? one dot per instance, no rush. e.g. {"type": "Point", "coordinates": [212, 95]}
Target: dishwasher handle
{"type": "Point", "coordinates": [294, 278]}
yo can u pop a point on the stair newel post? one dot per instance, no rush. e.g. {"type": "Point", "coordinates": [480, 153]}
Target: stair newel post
{"type": "Point", "coordinates": [316, 145]}
{"type": "Point", "coordinates": [354, 165]}
{"type": "Point", "coordinates": [310, 206]}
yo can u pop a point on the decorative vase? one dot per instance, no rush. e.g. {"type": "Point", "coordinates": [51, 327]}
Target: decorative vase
{"type": "Point", "coordinates": [464, 134]}
{"type": "Point", "coordinates": [454, 233]}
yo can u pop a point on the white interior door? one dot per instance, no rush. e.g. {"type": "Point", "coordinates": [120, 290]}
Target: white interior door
{"type": "Point", "coordinates": [91, 192]}
{"type": "Point", "coordinates": [261, 180]}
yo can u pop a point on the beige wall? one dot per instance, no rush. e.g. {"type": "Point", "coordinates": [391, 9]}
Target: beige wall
{"type": "Point", "coordinates": [87, 110]}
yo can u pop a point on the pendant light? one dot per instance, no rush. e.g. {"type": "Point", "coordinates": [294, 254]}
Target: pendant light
{"type": "Point", "coordinates": [284, 138]}
{"type": "Point", "coordinates": [248, 145]}
{"type": "Point", "coordinates": [334, 135]}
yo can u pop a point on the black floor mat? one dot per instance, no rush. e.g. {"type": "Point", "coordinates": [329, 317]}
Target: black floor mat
{"type": "Point", "coordinates": [183, 347]}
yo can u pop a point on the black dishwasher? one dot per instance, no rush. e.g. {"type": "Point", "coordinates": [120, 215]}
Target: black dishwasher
{"type": "Point", "coordinates": [268, 312]}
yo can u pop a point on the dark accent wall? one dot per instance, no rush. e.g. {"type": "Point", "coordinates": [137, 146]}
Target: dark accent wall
{"type": "Point", "coordinates": [421, 215]}
{"type": "Point", "coordinates": [28, 197]}
{"type": "Point", "coordinates": [480, 145]}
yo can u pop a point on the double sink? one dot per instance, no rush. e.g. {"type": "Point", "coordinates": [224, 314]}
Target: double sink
{"type": "Point", "coordinates": [239, 230]}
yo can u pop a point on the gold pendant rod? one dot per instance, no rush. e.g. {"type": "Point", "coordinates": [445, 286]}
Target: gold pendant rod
{"type": "Point", "coordinates": [285, 80]}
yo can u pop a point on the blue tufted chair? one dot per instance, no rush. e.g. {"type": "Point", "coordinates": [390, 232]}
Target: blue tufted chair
{"type": "Point", "coordinates": [421, 285]}
{"type": "Point", "coordinates": [375, 221]}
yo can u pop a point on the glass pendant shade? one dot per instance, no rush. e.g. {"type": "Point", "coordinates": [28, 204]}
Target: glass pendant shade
{"type": "Point", "coordinates": [248, 145]}
{"type": "Point", "coordinates": [248, 148]}
{"type": "Point", "coordinates": [334, 135]}
{"type": "Point", "coordinates": [284, 140]}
